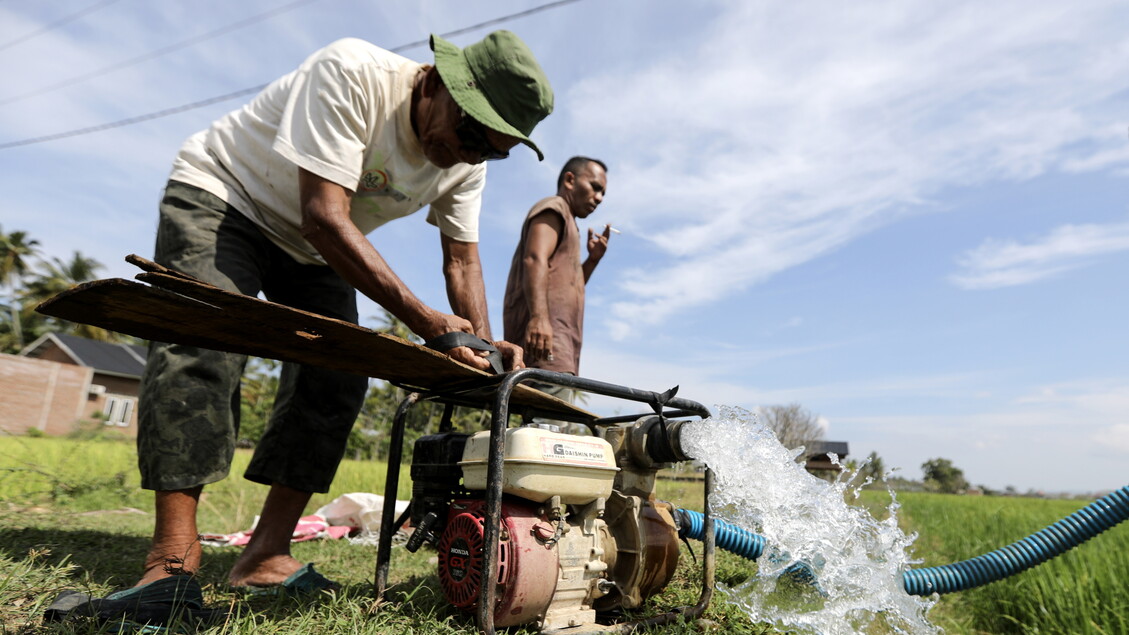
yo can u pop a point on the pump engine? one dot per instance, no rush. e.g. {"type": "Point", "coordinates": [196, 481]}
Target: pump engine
{"type": "Point", "coordinates": [582, 533]}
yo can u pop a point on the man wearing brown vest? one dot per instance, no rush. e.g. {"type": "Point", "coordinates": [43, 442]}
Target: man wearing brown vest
{"type": "Point", "coordinates": [544, 305]}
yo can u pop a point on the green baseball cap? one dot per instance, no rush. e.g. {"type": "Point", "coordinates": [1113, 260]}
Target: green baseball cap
{"type": "Point", "coordinates": [498, 82]}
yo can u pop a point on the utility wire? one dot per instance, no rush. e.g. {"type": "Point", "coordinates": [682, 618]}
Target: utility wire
{"type": "Point", "coordinates": [57, 23]}
{"type": "Point", "coordinates": [248, 91]}
{"type": "Point", "coordinates": [155, 53]}
{"type": "Point", "coordinates": [132, 120]}
{"type": "Point", "coordinates": [501, 20]}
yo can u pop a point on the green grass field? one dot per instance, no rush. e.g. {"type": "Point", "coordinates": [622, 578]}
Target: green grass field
{"type": "Point", "coordinates": [72, 517]}
{"type": "Point", "coordinates": [1082, 591]}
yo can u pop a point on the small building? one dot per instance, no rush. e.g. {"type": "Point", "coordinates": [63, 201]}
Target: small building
{"type": "Point", "coordinates": [818, 455]}
{"type": "Point", "coordinates": [59, 381]}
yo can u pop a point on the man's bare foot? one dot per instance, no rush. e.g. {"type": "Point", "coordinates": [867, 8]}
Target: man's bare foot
{"type": "Point", "coordinates": [176, 545]}
{"type": "Point", "coordinates": [165, 561]}
{"type": "Point", "coordinates": [266, 572]}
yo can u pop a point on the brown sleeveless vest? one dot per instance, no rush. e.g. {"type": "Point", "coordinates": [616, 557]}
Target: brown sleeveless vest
{"type": "Point", "coordinates": [566, 292]}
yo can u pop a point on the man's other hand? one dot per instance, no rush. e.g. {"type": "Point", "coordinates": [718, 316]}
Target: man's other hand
{"type": "Point", "coordinates": [470, 357]}
{"type": "Point", "coordinates": [598, 243]}
{"type": "Point", "coordinates": [513, 358]}
{"type": "Point", "coordinates": [539, 339]}
{"type": "Point", "coordinates": [438, 323]}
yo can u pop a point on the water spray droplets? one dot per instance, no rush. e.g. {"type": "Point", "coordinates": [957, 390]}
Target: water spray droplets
{"type": "Point", "coordinates": [811, 531]}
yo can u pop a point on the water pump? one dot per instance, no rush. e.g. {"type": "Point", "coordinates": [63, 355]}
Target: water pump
{"type": "Point", "coordinates": [582, 534]}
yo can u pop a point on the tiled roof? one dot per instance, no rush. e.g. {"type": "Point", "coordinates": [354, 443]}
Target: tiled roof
{"type": "Point", "coordinates": [107, 357]}
{"type": "Point", "coordinates": [815, 448]}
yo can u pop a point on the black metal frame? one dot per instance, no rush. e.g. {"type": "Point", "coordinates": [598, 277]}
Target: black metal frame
{"type": "Point", "coordinates": [499, 389]}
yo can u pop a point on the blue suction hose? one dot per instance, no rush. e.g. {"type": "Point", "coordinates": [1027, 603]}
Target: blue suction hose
{"type": "Point", "coordinates": [729, 537]}
{"type": "Point", "coordinates": [1052, 541]}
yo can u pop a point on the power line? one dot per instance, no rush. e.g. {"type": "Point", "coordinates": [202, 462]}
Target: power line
{"type": "Point", "coordinates": [57, 23]}
{"type": "Point", "coordinates": [156, 53]}
{"type": "Point", "coordinates": [132, 120]}
{"type": "Point", "coordinates": [505, 18]}
{"type": "Point", "coordinates": [248, 91]}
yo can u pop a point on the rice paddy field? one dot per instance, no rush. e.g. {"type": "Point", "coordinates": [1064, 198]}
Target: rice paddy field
{"type": "Point", "coordinates": [72, 517]}
{"type": "Point", "coordinates": [1082, 591]}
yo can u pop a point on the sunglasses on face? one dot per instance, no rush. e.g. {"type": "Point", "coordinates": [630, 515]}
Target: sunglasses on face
{"type": "Point", "coordinates": [472, 137]}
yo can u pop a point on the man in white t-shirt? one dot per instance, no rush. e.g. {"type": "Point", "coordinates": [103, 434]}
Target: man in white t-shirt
{"type": "Point", "coordinates": [276, 197]}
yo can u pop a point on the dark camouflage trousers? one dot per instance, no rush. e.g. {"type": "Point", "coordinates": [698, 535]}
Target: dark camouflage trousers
{"type": "Point", "coordinates": [189, 403]}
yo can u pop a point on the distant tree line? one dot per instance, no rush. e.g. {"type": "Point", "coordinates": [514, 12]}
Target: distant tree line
{"type": "Point", "coordinates": [796, 426]}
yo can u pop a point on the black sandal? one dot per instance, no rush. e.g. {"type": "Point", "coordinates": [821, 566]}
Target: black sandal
{"type": "Point", "coordinates": [150, 608]}
{"type": "Point", "coordinates": [455, 339]}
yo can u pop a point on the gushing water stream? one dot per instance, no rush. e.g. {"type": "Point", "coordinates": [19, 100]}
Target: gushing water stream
{"type": "Point", "coordinates": [857, 560]}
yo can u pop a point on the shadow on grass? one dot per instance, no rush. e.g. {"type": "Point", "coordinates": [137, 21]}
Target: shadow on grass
{"type": "Point", "coordinates": [38, 563]}
{"type": "Point", "coordinates": [105, 557]}
{"type": "Point", "coordinates": [421, 596]}
{"type": "Point", "coordinates": [99, 557]}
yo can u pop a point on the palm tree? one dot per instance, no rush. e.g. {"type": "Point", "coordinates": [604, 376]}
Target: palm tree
{"type": "Point", "coordinates": [16, 252]}
{"type": "Point", "coordinates": [392, 325]}
{"type": "Point", "coordinates": [54, 277]}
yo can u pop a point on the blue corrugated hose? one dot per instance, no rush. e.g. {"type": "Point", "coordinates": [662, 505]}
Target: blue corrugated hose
{"type": "Point", "coordinates": [729, 537]}
{"type": "Point", "coordinates": [1075, 529]}
{"type": "Point", "coordinates": [1035, 549]}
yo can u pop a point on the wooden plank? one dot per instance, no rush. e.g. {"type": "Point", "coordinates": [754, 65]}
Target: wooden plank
{"type": "Point", "coordinates": [152, 267]}
{"type": "Point", "coordinates": [183, 310]}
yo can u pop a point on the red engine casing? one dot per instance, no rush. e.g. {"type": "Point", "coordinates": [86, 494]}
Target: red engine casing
{"type": "Point", "coordinates": [527, 569]}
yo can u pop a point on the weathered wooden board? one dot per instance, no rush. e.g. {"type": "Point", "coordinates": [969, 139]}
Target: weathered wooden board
{"type": "Point", "coordinates": [182, 310]}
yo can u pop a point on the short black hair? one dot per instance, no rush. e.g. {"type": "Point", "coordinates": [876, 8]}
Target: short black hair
{"type": "Point", "coordinates": [574, 164]}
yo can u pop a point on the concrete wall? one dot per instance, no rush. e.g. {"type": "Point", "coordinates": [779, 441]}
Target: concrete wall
{"type": "Point", "coordinates": [41, 394]}
{"type": "Point", "coordinates": [54, 397]}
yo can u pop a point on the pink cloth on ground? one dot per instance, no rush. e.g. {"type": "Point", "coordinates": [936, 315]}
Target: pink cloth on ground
{"type": "Point", "coordinates": [308, 528]}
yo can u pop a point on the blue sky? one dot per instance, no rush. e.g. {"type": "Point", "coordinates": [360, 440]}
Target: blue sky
{"type": "Point", "coordinates": [910, 218]}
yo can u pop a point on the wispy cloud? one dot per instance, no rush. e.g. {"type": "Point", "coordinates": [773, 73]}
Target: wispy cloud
{"type": "Point", "coordinates": [792, 130]}
{"type": "Point", "coordinates": [1005, 263]}
{"type": "Point", "coordinates": [1064, 436]}
{"type": "Point", "coordinates": [1103, 401]}
{"type": "Point", "coordinates": [1115, 438]}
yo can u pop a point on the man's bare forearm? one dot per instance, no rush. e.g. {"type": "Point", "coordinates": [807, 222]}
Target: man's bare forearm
{"type": "Point", "coordinates": [327, 226]}
{"type": "Point", "coordinates": [588, 267]}
{"type": "Point", "coordinates": [466, 291]}
{"type": "Point", "coordinates": [536, 284]}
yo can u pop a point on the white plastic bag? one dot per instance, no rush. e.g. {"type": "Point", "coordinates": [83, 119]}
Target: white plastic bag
{"type": "Point", "coordinates": [358, 509]}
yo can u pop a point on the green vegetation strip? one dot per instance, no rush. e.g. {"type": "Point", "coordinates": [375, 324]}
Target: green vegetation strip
{"type": "Point", "coordinates": [73, 518]}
